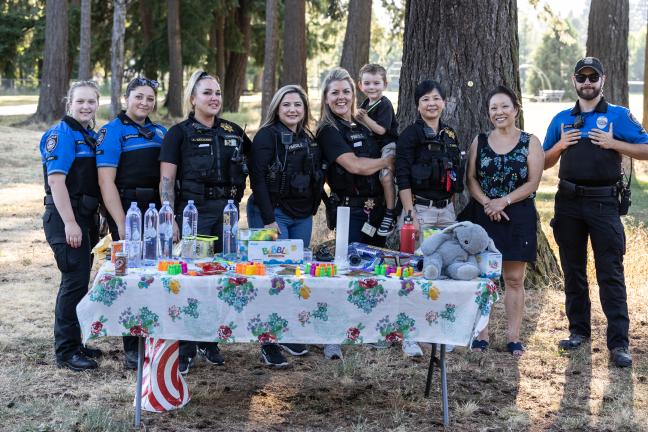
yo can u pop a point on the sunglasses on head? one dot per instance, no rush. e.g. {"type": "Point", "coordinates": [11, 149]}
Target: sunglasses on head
{"type": "Point", "coordinates": [580, 78]}
{"type": "Point", "coordinates": [137, 82]}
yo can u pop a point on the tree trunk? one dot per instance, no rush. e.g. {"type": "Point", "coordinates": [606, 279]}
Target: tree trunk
{"type": "Point", "coordinates": [355, 51]}
{"type": "Point", "coordinates": [146, 18]}
{"type": "Point", "coordinates": [117, 57]}
{"type": "Point", "coordinates": [270, 56]}
{"type": "Point", "coordinates": [293, 70]}
{"type": "Point", "coordinates": [235, 72]}
{"type": "Point", "coordinates": [85, 38]}
{"type": "Point", "coordinates": [645, 84]}
{"type": "Point", "coordinates": [439, 43]}
{"type": "Point", "coordinates": [607, 39]}
{"type": "Point", "coordinates": [220, 48]}
{"type": "Point", "coordinates": [54, 82]}
{"type": "Point", "coordinates": [174, 97]}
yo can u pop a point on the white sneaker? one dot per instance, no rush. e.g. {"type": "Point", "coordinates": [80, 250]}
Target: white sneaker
{"type": "Point", "coordinates": [333, 352]}
{"type": "Point", "coordinates": [412, 349]}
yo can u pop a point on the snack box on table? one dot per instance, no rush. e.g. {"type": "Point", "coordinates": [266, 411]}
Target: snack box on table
{"type": "Point", "coordinates": [276, 252]}
{"type": "Point", "coordinates": [245, 235]}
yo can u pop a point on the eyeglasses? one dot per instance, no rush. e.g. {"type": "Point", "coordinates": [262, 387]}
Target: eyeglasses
{"type": "Point", "coordinates": [580, 78]}
{"type": "Point", "coordinates": [137, 82]}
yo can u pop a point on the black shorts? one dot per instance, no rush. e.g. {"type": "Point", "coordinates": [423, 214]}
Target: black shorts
{"type": "Point", "coordinates": [516, 239]}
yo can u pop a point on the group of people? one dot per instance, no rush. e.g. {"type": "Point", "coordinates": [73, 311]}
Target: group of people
{"type": "Point", "coordinates": [366, 163]}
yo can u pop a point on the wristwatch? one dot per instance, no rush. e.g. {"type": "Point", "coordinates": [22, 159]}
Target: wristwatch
{"type": "Point", "coordinates": [508, 200]}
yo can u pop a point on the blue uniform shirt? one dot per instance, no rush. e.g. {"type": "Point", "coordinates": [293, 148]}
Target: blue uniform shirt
{"type": "Point", "coordinates": [124, 145]}
{"type": "Point", "coordinates": [65, 150]}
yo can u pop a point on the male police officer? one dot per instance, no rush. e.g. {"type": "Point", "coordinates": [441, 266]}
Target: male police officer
{"type": "Point", "coordinates": [590, 139]}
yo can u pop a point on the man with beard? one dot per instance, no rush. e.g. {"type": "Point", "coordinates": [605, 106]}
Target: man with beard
{"type": "Point", "coordinates": [589, 140]}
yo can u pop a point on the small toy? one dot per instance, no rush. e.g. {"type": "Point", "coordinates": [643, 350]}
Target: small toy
{"type": "Point", "coordinates": [251, 269]}
{"type": "Point", "coordinates": [393, 271]}
{"type": "Point", "coordinates": [321, 269]}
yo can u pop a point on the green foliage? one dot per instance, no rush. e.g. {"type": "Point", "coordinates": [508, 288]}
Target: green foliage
{"type": "Point", "coordinates": [637, 54]}
{"type": "Point", "coordinates": [17, 19]}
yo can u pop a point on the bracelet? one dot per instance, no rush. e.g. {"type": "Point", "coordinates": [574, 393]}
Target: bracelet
{"type": "Point", "coordinates": [508, 200]}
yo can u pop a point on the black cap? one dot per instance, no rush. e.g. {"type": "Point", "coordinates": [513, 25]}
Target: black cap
{"type": "Point", "coordinates": [589, 62]}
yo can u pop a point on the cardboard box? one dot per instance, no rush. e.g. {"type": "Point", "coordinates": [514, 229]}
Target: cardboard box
{"type": "Point", "coordinates": [276, 252]}
{"type": "Point", "coordinates": [490, 264]}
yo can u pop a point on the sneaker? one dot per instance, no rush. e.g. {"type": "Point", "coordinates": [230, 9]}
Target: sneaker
{"type": "Point", "coordinates": [78, 363]}
{"type": "Point", "coordinates": [295, 349]}
{"type": "Point", "coordinates": [621, 357]}
{"type": "Point", "coordinates": [212, 355]}
{"type": "Point", "coordinates": [386, 226]}
{"type": "Point", "coordinates": [573, 342]}
{"type": "Point", "coordinates": [271, 356]}
{"type": "Point", "coordinates": [382, 344]}
{"type": "Point", "coordinates": [130, 360]}
{"type": "Point", "coordinates": [185, 364]}
{"type": "Point", "coordinates": [332, 352]}
{"type": "Point", "coordinates": [412, 349]}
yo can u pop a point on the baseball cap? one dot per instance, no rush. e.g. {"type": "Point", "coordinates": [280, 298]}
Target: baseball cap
{"type": "Point", "coordinates": [589, 62]}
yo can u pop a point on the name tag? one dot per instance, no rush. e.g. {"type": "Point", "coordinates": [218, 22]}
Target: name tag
{"type": "Point", "coordinates": [357, 144]}
{"type": "Point", "coordinates": [203, 145]}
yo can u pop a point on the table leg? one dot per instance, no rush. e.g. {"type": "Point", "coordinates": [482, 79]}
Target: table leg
{"type": "Point", "coordinates": [430, 370]}
{"type": "Point", "coordinates": [444, 387]}
{"type": "Point", "coordinates": [138, 385]}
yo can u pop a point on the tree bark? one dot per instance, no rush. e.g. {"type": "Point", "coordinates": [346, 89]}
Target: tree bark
{"type": "Point", "coordinates": [54, 82]}
{"type": "Point", "coordinates": [645, 84]}
{"type": "Point", "coordinates": [293, 70]}
{"type": "Point", "coordinates": [117, 57]}
{"type": "Point", "coordinates": [270, 56]}
{"type": "Point", "coordinates": [85, 38]}
{"type": "Point", "coordinates": [607, 39]}
{"type": "Point", "coordinates": [439, 43]}
{"type": "Point", "coordinates": [235, 73]}
{"type": "Point", "coordinates": [174, 97]}
{"type": "Point", "coordinates": [355, 51]}
{"type": "Point", "coordinates": [146, 18]}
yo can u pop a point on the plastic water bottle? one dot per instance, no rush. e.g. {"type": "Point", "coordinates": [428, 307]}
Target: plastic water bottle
{"type": "Point", "coordinates": [133, 235]}
{"type": "Point", "coordinates": [230, 230]}
{"type": "Point", "coordinates": [165, 231]}
{"type": "Point", "coordinates": [189, 230]}
{"type": "Point", "coordinates": [150, 235]}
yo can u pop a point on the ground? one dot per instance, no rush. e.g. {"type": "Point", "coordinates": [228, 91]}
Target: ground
{"type": "Point", "coordinates": [369, 390]}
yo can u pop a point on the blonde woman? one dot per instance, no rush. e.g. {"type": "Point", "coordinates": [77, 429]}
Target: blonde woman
{"type": "Point", "coordinates": [206, 155]}
{"type": "Point", "coordinates": [71, 201]}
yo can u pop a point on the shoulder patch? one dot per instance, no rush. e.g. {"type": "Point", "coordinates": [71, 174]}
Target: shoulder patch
{"type": "Point", "coordinates": [51, 143]}
{"type": "Point", "coordinates": [636, 122]}
{"type": "Point", "coordinates": [101, 136]}
{"type": "Point", "coordinates": [159, 132]}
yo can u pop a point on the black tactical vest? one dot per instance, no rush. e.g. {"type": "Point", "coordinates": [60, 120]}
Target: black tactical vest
{"type": "Point", "coordinates": [587, 164]}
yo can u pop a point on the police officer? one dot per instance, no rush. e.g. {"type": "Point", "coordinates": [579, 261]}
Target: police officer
{"type": "Point", "coordinates": [287, 179]}
{"type": "Point", "coordinates": [128, 151]}
{"type": "Point", "coordinates": [589, 140]}
{"type": "Point", "coordinates": [429, 163]}
{"type": "Point", "coordinates": [205, 156]}
{"type": "Point", "coordinates": [71, 201]}
{"type": "Point", "coordinates": [353, 160]}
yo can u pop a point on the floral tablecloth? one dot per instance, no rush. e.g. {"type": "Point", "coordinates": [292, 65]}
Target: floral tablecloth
{"type": "Point", "coordinates": [229, 308]}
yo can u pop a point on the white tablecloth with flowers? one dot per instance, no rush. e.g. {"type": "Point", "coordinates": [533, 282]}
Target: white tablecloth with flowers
{"type": "Point", "coordinates": [231, 308]}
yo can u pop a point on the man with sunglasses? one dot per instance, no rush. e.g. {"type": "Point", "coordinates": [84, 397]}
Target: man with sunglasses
{"type": "Point", "coordinates": [589, 140]}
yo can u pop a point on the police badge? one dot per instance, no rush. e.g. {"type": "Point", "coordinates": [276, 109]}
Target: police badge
{"type": "Point", "coordinates": [51, 142]}
{"type": "Point", "coordinates": [227, 127]}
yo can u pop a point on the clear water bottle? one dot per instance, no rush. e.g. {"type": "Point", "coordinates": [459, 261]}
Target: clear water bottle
{"type": "Point", "coordinates": [189, 230]}
{"type": "Point", "coordinates": [150, 236]}
{"type": "Point", "coordinates": [133, 235]}
{"type": "Point", "coordinates": [165, 231]}
{"type": "Point", "coordinates": [230, 231]}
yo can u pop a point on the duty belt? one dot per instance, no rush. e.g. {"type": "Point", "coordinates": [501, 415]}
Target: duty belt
{"type": "Point", "coordinates": [588, 191]}
{"type": "Point", "coordinates": [141, 195]}
{"type": "Point", "coordinates": [432, 203]}
{"type": "Point", "coordinates": [85, 205]}
{"type": "Point", "coordinates": [367, 202]}
{"type": "Point", "coordinates": [212, 192]}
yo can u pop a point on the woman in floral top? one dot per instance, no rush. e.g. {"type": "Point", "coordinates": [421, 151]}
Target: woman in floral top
{"type": "Point", "coordinates": [504, 170]}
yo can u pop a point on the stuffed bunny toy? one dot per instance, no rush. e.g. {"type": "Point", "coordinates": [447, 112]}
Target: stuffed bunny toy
{"type": "Point", "coordinates": [452, 251]}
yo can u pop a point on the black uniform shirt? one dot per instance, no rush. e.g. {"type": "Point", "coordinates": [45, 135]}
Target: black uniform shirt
{"type": "Point", "coordinates": [384, 115]}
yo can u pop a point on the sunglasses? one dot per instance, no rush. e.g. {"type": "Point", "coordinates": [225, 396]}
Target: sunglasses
{"type": "Point", "coordinates": [580, 78]}
{"type": "Point", "coordinates": [137, 82]}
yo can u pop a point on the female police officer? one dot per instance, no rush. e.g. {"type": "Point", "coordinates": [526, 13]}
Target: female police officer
{"type": "Point", "coordinates": [71, 200]}
{"type": "Point", "coordinates": [287, 179]}
{"type": "Point", "coordinates": [128, 151]}
{"type": "Point", "coordinates": [353, 159]}
{"type": "Point", "coordinates": [205, 154]}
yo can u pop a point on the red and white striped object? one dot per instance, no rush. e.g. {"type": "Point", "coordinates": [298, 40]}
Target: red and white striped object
{"type": "Point", "coordinates": [163, 387]}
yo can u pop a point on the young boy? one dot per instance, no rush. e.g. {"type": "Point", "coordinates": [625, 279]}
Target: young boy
{"type": "Point", "coordinates": [377, 113]}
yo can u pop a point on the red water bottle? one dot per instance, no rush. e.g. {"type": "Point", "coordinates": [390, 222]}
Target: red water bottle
{"type": "Point", "coordinates": [408, 234]}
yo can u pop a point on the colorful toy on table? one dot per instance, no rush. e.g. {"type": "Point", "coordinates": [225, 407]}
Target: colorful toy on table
{"type": "Point", "coordinates": [251, 269]}
{"type": "Point", "coordinates": [276, 252]}
{"type": "Point", "coordinates": [172, 267]}
{"type": "Point", "coordinates": [366, 257]}
{"type": "Point", "coordinates": [321, 269]}
{"type": "Point", "coordinates": [393, 271]}
{"type": "Point", "coordinates": [257, 234]}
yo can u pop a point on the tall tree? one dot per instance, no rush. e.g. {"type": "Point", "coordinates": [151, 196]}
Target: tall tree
{"type": "Point", "coordinates": [607, 39]}
{"type": "Point", "coordinates": [146, 18]}
{"type": "Point", "coordinates": [85, 38]}
{"type": "Point", "coordinates": [217, 43]}
{"type": "Point", "coordinates": [174, 97]}
{"type": "Point", "coordinates": [117, 55]}
{"type": "Point", "coordinates": [270, 56]}
{"type": "Point", "coordinates": [440, 44]}
{"type": "Point", "coordinates": [293, 70]}
{"type": "Point", "coordinates": [355, 51]}
{"type": "Point", "coordinates": [54, 82]}
{"type": "Point", "coordinates": [234, 82]}
{"type": "Point", "coordinates": [645, 84]}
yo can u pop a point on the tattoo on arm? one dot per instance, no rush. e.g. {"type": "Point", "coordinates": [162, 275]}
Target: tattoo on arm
{"type": "Point", "coordinates": [167, 193]}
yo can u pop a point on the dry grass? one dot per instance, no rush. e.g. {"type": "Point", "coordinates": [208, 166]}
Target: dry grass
{"type": "Point", "coordinates": [370, 390]}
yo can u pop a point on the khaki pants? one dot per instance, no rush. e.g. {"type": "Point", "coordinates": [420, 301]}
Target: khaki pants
{"type": "Point", "coordinates": [431, 217]}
